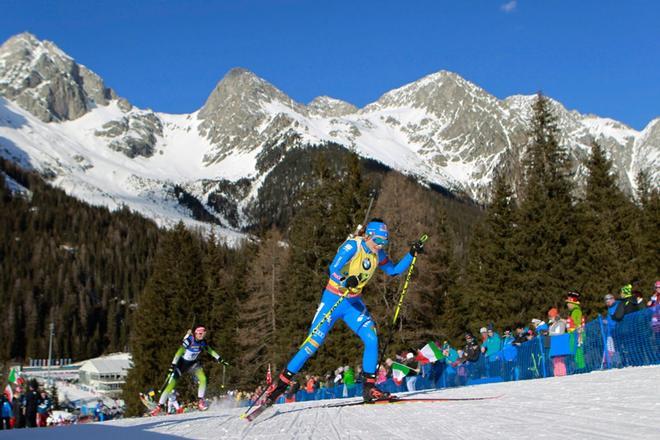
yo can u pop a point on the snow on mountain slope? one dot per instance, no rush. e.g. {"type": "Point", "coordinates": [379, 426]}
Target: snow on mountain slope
{"type": "Point", "coordinates": [79, 162]}
{"type": "Point", "coordinates": [612, 404]}
{"type": "Point", "coordinates": [442, 129]}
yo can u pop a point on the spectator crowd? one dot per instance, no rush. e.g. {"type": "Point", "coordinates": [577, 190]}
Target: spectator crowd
{"type": "Point", "coordinates": [28, 405]}
{"type": "Point", "coordinates": [558, 345]}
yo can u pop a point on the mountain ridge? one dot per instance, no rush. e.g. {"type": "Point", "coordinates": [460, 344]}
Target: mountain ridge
{"type": "Point", "coordinates": [442, 129]}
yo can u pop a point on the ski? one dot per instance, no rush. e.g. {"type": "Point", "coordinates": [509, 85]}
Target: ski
{"type": "Point", "coordinates": [255, 412]}
{"type": "Point", "coordinates": [392, 400]}
{"type": "Point", "coordinates": [411, 400]}
{"type": "Point", "coordinates": [148, 402]}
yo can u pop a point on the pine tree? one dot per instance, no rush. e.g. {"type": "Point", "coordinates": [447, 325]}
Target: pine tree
{"type": "Point", "coordinates": [546, 237]}
{"type": "Point", "coordinates": [647, 225]}
{"type": "Point", "coordinates": [488, 293]}
{"type": "Point", "coordinates": [605, 244]}
{"type": "Point", "coordinates": [223, 289]}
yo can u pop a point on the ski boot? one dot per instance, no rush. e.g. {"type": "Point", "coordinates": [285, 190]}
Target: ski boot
{"type": "Point", "coordinates": [276, 389]}
{"type": "Point", "coordinates": [157, 410]}
{"type": "Point", "coordinates": [370, 392]}
{"type": "Point", "coordinates": [202, 405]}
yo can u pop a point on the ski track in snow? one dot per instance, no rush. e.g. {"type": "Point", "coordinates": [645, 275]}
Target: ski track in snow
{"type": "Point", "coordinates": [601, 405]}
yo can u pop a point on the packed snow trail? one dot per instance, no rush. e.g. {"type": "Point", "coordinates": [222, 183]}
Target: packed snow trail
{"type": "Point", "coordinates": [601, 405]}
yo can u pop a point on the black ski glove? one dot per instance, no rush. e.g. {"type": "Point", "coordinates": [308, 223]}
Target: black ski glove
{"type": "Point", "coordinates": [223, 362]}
{"type": "Point", "coordinates": [352, 282]}
{"type": "Point", "coordinates": [172, 368]}
{"type": "Point", "coordinates": [417, 247]}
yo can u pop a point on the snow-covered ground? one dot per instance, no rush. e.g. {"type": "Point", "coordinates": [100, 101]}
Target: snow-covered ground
{"type": "Point", "coordinates": [619, 404]}
{"type": "Point", "coordinates": [74, 393]}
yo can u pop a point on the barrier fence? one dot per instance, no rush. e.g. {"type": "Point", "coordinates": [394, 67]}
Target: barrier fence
{"type": "Point", "coordinates": [601, 345]}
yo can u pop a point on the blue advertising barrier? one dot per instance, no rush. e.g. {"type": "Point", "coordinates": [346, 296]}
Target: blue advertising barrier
{"type": "Point", "coordinates": [634, 341]}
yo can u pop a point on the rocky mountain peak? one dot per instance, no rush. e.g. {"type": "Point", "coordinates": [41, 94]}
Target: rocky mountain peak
{"type": "Point", "coordinates": [25, 41]}
{"type": "Point", "coordinates": [45, 81]}
{"type": "Point", "coordinates": [326, 106]}
{"type": "Point", "coordinates": [436, 93]}
{"type": "Point", "coordinates": [245, 89]}
{"type": "Point", "coordinates": [240, 112]}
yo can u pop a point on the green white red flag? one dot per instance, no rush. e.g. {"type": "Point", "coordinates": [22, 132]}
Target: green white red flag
{"type": "Point", "coordinates": [429, 353]}
{"type": "Point", "coordinates": [9, 393]}
{"type": "Point", "coordinates": [399, 371]}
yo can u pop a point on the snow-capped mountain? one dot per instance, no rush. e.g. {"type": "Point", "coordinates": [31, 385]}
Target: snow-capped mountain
{"type": "Point", "coordinates": [59, 118]}
{"type": "Point", "coordinates": [47, 82]}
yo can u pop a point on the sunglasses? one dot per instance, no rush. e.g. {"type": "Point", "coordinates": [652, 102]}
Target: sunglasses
{"type": "Point", "coordinates": [380, 241]}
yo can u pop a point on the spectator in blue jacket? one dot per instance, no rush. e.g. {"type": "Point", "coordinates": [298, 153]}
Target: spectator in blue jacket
{"type": "Point", "coordinates": [615, 314]}
{"type": "Point", "coordinates": [99, 411]}
{"type": "Point", "coordinates": [492, 345]}
{"type": "Point", "coordinates": [451, 359]}
{"type": "Point", "coordinates": [7, 413]}
{"type": "Point", "coordinates": [492, 348]}
{"type": "Point", "coordinates": [509, 353]}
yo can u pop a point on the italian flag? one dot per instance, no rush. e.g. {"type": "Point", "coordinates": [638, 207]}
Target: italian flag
{"type": "Point", "coordinates": [429, 353]}
{"type": "Point", "coordinates": [9, 393]}
{"type": "Point", "coordinates": [399, 371]}
{"type": "Point", "coordinates": [12, 376]}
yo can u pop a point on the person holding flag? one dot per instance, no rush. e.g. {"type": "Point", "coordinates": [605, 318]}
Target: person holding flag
{"type": "Point", "coordinates": [401, 372]}
{"type": "Point", "coordinates": [351, 269]}
{"type": "Point", "coordinates": [15, 378]}
{"type": "Point", "coordinates": [432, 354]}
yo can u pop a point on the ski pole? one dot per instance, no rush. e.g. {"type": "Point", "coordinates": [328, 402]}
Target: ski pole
{"type": "Point", "coordinates": [422, 239]}
{"type": "Point", "coordinates": [325, 317]}
{"type": "Point", "coordinates": [360, 227]}
{"type": "Point", "coordinates": [404, 290]}
{"type": "Point", "coordinates": [244, 415]}
{"type": "Point", "coordinates": [167, 380]}
{"type": "Point", "coordinates": [309, 337]}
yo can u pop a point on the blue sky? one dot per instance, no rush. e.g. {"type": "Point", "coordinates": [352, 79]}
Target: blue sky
{"type": "Point", "coordinates": [599, 57]}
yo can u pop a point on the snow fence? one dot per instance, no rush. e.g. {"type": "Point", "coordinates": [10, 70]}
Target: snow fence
{"type": "Point", "coordinates": [602, 344]}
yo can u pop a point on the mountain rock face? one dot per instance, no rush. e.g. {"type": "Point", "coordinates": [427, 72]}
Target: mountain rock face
{"type": "Point", "coordinates": [325, 107]}
{"type": "Point", "coordinates": [212, 165]}
{"type": "Point", "coordinates": [646, 156]}
{"type": "Point", "coordinates": [45, 81]}
{"type": "Point", "coordinates": [235, 118]}
{"type": "Point", "coordinates": [134, 135]}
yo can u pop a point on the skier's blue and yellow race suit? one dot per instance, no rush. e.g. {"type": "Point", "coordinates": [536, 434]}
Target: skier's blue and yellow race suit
{"type": "Point", "coordinates": [353, 258]}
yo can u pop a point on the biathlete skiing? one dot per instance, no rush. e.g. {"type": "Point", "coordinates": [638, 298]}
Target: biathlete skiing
{"type": "Point", "coordinates": [185, 361]}
{"type": "Point", "coordinates": [351, 269]}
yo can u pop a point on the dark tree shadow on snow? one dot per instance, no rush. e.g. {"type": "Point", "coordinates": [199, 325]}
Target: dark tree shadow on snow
{"type": "Point", "coordinates": [8, 149]}
{"type": "Point", "coordinates": [97, 431]}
